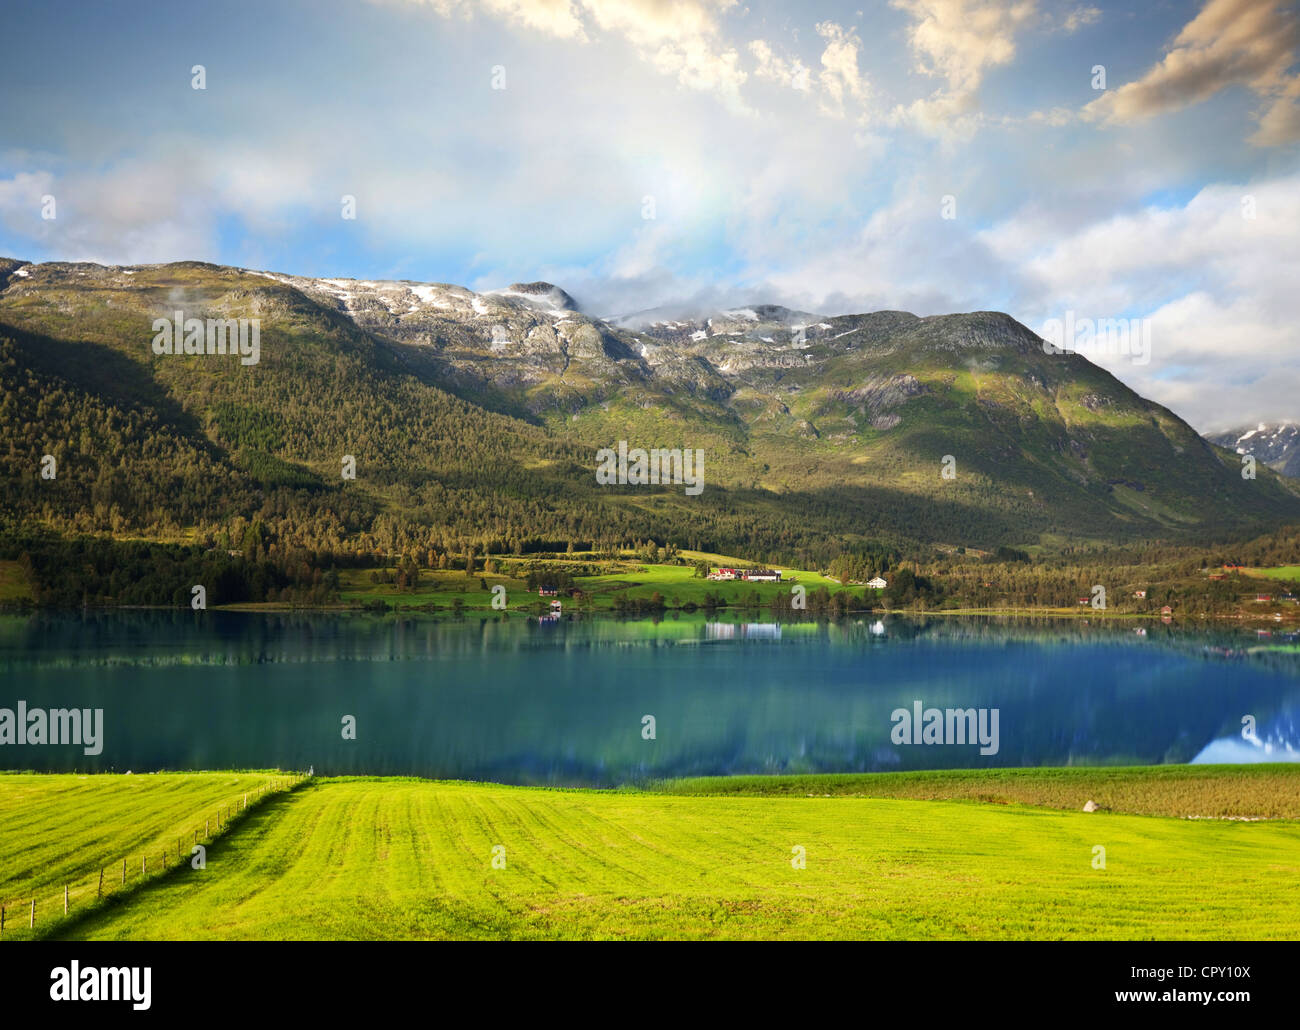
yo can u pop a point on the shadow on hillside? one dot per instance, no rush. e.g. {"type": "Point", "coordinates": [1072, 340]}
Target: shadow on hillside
{"type": "Point", "coordinates": [104, 371]}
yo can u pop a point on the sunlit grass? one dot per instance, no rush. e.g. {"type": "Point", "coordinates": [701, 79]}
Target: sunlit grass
{"type": "Point", "coordinates": [58, 830]}
{"type": "Point", "coordinates": [383, 858]}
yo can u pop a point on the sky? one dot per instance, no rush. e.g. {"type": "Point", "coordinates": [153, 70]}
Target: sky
{"type": "Point", "coordinates": [1060, 160]}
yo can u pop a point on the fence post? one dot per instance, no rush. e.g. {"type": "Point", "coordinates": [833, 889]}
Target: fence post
{"type": "Point", "coordinates": [144, 865]}
{"type": "Point", "coordinates": [124, 870]}
{"type": "Point", "coordinates": [32, 924]}
{"type": "Point", "coordinates": [100, 893]}
{"type": "Point", "coordinates": [2, 920]}
{"type": "Point", "coordinates": [205, 827]}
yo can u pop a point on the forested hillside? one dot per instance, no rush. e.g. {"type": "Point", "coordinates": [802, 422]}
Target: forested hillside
{"type": "Point", "coordinates": [473, 421]}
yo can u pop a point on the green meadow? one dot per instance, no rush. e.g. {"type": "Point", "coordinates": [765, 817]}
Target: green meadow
{"type": "Point", "coordinates": [1283, 572]}
{"type": "Point", "coordinates": [931, 855]}
{"type": "Point", "coordinates": [58, 830]}
{"type": "Point", "coordinates": [677, 585]}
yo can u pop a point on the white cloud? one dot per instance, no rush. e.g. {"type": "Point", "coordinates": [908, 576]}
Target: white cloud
{"type": "Point", "coordinates": [813, 202]}
{"type": "Point", "coordinates": [134, 212]}
{"type": "Point", "coordinates": [903, 255]}
{"type": "Point", "coordinates": [840, 78]}
{"type": "Point", "coordinates": [958, 41]}
{"type": "Point", "coordinates": [1079, 17]}
{"type": "Point", "coordinates": [1218, 287]}
{"type": "Point", "coordinates": [1250, 43]}
{"type": "Point", "coordinates": [558, 18]}
{"type": "Point", "coordinates": [681, 38]}
{"type": "Point", "coordinates": [771, 66]}
{"type": "Point", "coordinates": [20, 197]}
{"type": "Point", "coordinates": [841, 88]}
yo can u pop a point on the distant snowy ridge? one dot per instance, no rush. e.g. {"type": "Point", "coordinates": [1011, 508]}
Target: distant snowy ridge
{"type": "Point", "coordinates": [1277, 444]}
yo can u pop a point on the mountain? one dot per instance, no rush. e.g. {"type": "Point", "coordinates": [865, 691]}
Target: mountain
{"type": "Point", "coordinates": [474, 419]}
{"type": "Point", "coordinates": [1275, 444]}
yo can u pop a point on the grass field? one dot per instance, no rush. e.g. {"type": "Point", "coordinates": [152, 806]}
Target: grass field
{"type": "Point", "coordinates": [62, 829]}
{"type": "Point", "coordinates": [370, 858]}
{"type": "Point", "coordinates": [677, 584]}
{"type": "Point", "coordinates": [1286, 572]}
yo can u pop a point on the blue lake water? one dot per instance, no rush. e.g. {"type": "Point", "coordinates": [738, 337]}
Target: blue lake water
{"type": "Point", "coordinates": [522, 701]}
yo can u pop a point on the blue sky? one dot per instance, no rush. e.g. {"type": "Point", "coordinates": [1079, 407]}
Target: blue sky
{"type": "Point", "coordinates": [789, 153]}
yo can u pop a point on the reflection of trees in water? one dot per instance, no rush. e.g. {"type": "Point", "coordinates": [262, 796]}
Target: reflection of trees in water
{"type": "Point", "coordinates": [163, 638]}
{"type": "Point", "coordinates": [522, 702]}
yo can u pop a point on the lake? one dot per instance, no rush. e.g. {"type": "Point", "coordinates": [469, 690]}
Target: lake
{"type": "Point", "coordinates": [516, 700]}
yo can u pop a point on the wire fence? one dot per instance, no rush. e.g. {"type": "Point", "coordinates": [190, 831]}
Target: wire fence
{"type": "Point", "coordinates": [22, 918]}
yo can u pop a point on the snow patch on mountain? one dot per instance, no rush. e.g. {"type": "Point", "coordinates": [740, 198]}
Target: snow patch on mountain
{"type": "Point", "coordinates": [546, 296]}
{"type": "Point", "coordinates": [1276, 444]}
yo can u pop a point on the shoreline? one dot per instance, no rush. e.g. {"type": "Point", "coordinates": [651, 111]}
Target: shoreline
{"type": "Point", "coordinates": [762, 613]}
{"type": "Point", "coordinates": [929, 784]}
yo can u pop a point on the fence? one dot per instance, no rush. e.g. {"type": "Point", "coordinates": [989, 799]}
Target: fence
{"type": "Point", "coordinates": [18, 918]}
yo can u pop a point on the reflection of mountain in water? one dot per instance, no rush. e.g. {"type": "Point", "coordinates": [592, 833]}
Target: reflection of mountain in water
{"type": "Point", "coordinates": [1278, 740]}
{"type": "Point", "coordinates": [510, 699]}
{"type": "Point", "coordinates": [164, 638]}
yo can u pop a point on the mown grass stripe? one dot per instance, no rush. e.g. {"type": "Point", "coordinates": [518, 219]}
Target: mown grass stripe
{"type": "Point", "coordinates": [579, 865]}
